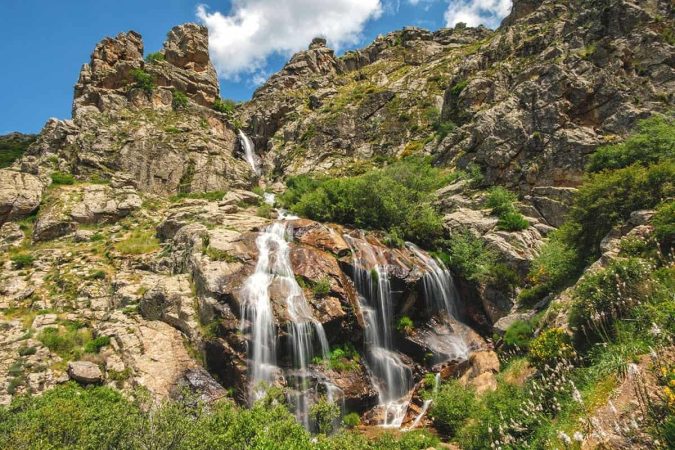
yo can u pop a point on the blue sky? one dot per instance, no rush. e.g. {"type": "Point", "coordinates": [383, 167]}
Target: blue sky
{"type": "Point", "coordinates": [43, 43]}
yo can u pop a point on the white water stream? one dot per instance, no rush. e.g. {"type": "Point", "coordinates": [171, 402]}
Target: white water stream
{"type": "Point", "coordinates": [249, 151]}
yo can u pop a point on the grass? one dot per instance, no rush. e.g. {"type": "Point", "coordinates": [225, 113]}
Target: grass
{"type": "Point", "coordinates": [216, 254]}
{"type": "Point", "coordinates": [210, 196]}
{"type": "Point", "coordinates": [67, 342]}
{"type": "Point", "coordinates": [62, 178]}
{"type": "Point", "coordinates": [138, 242]}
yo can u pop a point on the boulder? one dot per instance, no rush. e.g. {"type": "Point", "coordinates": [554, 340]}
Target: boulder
{"type": "Point", "coordinates": [20, 194]}
{"type": "Point", "coordinates": [85, 372]}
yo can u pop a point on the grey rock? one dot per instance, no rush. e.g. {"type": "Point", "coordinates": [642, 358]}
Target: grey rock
{"type": "Point", "coordinates": [85, 372]}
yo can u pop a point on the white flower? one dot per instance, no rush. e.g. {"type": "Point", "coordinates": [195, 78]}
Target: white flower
{"type": "Point", "coordinates": [655, 331]}
{"type": "Point", "coordinates": [564, 437]}
{"type": "Point", "coordinates": [576, 395]}
{"type": "Point", "coordinates": [578, 436]}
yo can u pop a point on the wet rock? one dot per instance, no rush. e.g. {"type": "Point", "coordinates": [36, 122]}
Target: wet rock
{"type": "Point", "coordinates": [200, 383]}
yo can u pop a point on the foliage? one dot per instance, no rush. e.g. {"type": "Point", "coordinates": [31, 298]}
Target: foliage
{"type": "Point", "coordinates": [59, 178]}
{"type": "Point", "coordinates": [22, 260]}
{"type": "Point", "coordinates": [216, 254]}
{"type": "Point", "coordinates": [179, 100]}
{"type": "Point", "coordinates": [324, 413]}
{"type": "Point", "coordinates": [12, 149]}
{"type": "Point", "coordinates": [467, 255]}
{"type": "Point", "coordinates": [512, 221]}
{"type": "Point", "coordinates": [264, 210]}
{"type": "Point", "coordinates": [143, 80]}
{"type": "Point", "coordinates": [138, 242]}
{"type": "Point", "coordinates": [451, 406]}
{"type": "Point", "coordinates": [519, 334]}
{"type": "Point", "coordinates": [341, 359]}
{"type": "Point", "coordinates": [654, 142]}
{"type": "Point", "coordinates": [321, 287]}
{"type": "Point", "coordinates": [225, 106]}
{"type": "Point", "coordinates": [405, 325]}
{"type": "Point", "coordinates": [155, 57]}
{"type": "Point", "coordinates": [458, 87]}
{"type": "Point", "coordinates": [96, 344]}
{"type": "Point", "coordinates": [664, 224]}
{"type": "Point", "coordinates": [551, 346]}
{"type": "Point", "coordinates": [396, 198]}
{"type": "Point", "coordinates": [351, 420]}
{"type": "Point", "coordinates": [67, 342]}
{"type": "Point", "coordinates": [210, 196]}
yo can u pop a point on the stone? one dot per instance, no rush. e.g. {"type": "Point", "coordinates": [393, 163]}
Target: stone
{"type": "Point", "coordinates": [20, 194]}
{"type": "Point", "coordinates": [85, 372]}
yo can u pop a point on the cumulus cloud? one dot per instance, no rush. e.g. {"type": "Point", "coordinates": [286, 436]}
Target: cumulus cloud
{"type": "Point", "coordinates": [476, 12]}
{"type": "Point", "coordinates": [253, 30]}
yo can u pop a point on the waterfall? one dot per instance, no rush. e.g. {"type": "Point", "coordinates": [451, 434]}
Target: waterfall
{"type": "Point", "coordinates": [391, 377]}
{"type": "Point", "coordinates": [274, 266]}
{"type": "Point", "coordinates": [249, 151]}
{"type": "Point", "coordinates": [426, 404]}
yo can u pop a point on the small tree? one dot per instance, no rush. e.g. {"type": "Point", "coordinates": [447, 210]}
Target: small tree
{"type": "Point", "coordinates": [180, 100]}
{"type": "Point", "coordinates": [324, 413]}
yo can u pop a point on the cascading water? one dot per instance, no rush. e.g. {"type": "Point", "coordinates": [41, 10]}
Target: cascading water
{"type": "Point", "coordinates": [274, 266]}
{"type": "Point", "coordinates": [391, 377]}
{"type": "Point", "coordinates": [249, 151]}
{"type": "Point", "coordinates": [427, 403]}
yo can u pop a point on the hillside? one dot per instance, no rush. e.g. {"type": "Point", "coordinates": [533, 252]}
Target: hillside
{"type": "Point", "coordinates": [450, 239]}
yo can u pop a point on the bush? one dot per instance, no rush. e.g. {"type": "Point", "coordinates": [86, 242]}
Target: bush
{"type": "Point", "coordinates": [324, 413]}
{"type": "Point", "coordinates": [62, 178]}
{"type": "Point", "coordinates": [405, 325]}
{"type": "Point", "coordinates": [467, 256]}
{"type": "Point", "coordinates": [95, 345]}
{"type": "Point", "coordinates": [608, 295]}
{"type": "Point", "coordinates": [519, 334]}
{"type": "Point", "coordinates": [351, 420]}
{"type": "Point", "coordinates": [451, 406]}
{"type": "Point", "coordinates": [653, 142]}
{"type": "Point", "coordinates": [138, 242]}
{"type": "Point", "coordinates": [341, 359]}
{"type": "Point", "coordinates": [551, 346]}
{"type": "Point", "coordinates": [224, 105]}
{"type": "Point", "coordinates": [66, 342]}
{"type": "Point", "coordinates": [500, 200]}
{"type": "Point", "coordinates": [22, 260]}
{"type": "Point", "coordinates": [143, 80]}
{"type": "Point", "coordinates": [396, 198]}
{"type": "Point", "coordinates": [180, 100]}
{"type": "Point", "coordinates": [664, 224]}
{"type": "Point", "coordinates": [512, 221]}
{"type": "Point", "coordinates": [606, 199]}
{"type": "Point", "coordinates": [321, 288]}
{"type": "Point", "coordinates": [264, 210]}
{"type": "Point", "coordinates": [154, 57]}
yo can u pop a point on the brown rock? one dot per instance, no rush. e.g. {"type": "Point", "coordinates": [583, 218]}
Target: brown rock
{"type": "Point", "coordinates": [85, 372]}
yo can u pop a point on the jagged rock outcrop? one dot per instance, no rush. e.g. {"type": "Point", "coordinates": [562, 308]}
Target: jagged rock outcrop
{"type": "Point", "coordinates": [20, 194]}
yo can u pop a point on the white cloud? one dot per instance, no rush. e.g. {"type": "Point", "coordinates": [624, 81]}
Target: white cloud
{"type": "Point", "coordinates": [241, 41]}
{"type": "Point", "coordinates": [476, 12]}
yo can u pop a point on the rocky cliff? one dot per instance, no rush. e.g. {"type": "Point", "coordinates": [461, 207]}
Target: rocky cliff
{"type": "Point", "coordinates": [129, 231]}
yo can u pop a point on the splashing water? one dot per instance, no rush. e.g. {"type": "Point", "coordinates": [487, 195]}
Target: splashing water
{"type": "Point", "coordinates": [249, 151]}
{"type": "Point", "coordinates": [392, 378]}
{"type": "Point", "coordinates": [274, 267]}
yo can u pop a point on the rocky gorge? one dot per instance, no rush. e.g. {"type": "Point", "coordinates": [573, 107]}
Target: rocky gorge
{"type": "Point", "coordinates": [164, 242]}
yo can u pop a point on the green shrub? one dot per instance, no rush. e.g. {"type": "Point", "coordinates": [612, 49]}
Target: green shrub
{"type": "Point", "coordinates": [138, 242]}
{"type": "Point", "coordinates": [216, 254]}
{"type": "Point", "coordinates": [12, 149]}
{"type": "Point", "coordinates": [98, 275]}
{"type": "Point", "coordinates": [608, 295]}
{"type": "Point", "coordinates": [451, 407]}
{"type": "Point", "coordinates": [396, 198]}
{"type": "Point", "coordinates": [467, 255]}
{"type": "Point", "coordinates": [606, 199]}
{"type": "Point", "coordinates": [154, 57]}
{"type": "Point", "coordinates": [512, 221]}
{"type": "Point", "coordinates": [351, 420]}
{"type": "Point", "coordinates": [143, 80]}
{"type": "Point", "coordinates": [500, 200]}
{"type": "Point", "coordinates": [95, 345]}
{"type": "Point", "coordinates": [27, 351]}
{"type": "Point", "coordinates": [264, 210]}
{"type": "Point", "coordinates": [62, 178]}
{"type": "Point", "coordinates": [65, 342]}
{"type": "Point", "coordinates": [551, 346]}
{"type": "Point", "coordinates": [341, 359]}
{"type": "Point", "coordinates": [321, 288]}
{"type": "Point", "coordinates": [519, 334]}
{"type": "Point", "coordinates": [179, 100]}
{"type": "Point", "coordinates": [504, 277]}
{"type": "Point", "coordinates": [324, 413]}
{"type": "Point", "coordinates": [405, 325]}
{"type": "Point", "coordinates": [653, 142]}
{"type": "Point", "coordinates": [22, 260]}
{"type": "Point", "coordinates": [664, 224]}
{"type": "Point", "coordinates": [458, 87]}
{"type": "Point", "coordinates": [224, 105]}
{"type": "Point", "coordinates": [556, 263]}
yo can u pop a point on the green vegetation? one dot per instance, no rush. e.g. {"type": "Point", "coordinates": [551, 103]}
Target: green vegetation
{"type": "Point", "coordinates": [70, 417]}
{"type": "Point", "coordinates": [22, 260]}
{"type": "Point", "coordinates": [351, 420]}
{"type": "Point", "coordinates": [341, 359]}
{"type": "Point", "coordinates": [405, 325]}
{"type": "Point", "coordinates": [501, 202]}
{"type": "Point", "coordinates": [519, 334]}
{"type": "Point", "coordinates": [664, 225]}
{"type": "Point", "coordinates": [12, 148]}
{"type": "Point", "coordinates": [143, 81]}
{"type": "Point", "coordinates": [467, 256]}
{"type": "Point", "coordinates": [451, 407]}
{"type": "Point", "coordinates": [216, 254]}
{"type": "Point", "coordinates": [321, 287]}
{"type": "Point", "coordinates": [324, 413]}
{"type": "Point", "coordinates": [225, 106]}
{"type": "Point", "coordinates": [155, 57]}
{"type": "Point", "coordinates": [95, 345]}
{"type": "Point", "coordinates": [66, 341]}
{"type": "Point", "coordinates": [550, 347]}
{"type": "Point", "coordinates": [264, 210]}
{"type": "Point", "coordinates": [396, 198]}
{"type": "Point", "coordinates": [59, 178]}
{"type": "Point", "coordinates": [179, 100]}
{"type": "Point", "coordinates": [138, 242]}
{"type": "Point", "coordinates": [458, 87]}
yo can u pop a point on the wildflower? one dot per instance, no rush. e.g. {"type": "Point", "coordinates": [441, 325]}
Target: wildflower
{"type": "Point", "coordinates": [576, 395]}
{"type": "Point", "coordinates": [578, 436]}
{"type": "Point", "coordinates": [564, 437]}
{"type": "Point", "coordinates": [654, 331]}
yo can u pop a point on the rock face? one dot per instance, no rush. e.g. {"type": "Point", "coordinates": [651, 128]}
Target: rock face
{"type": "Point", "coordinates": [20, 194]}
